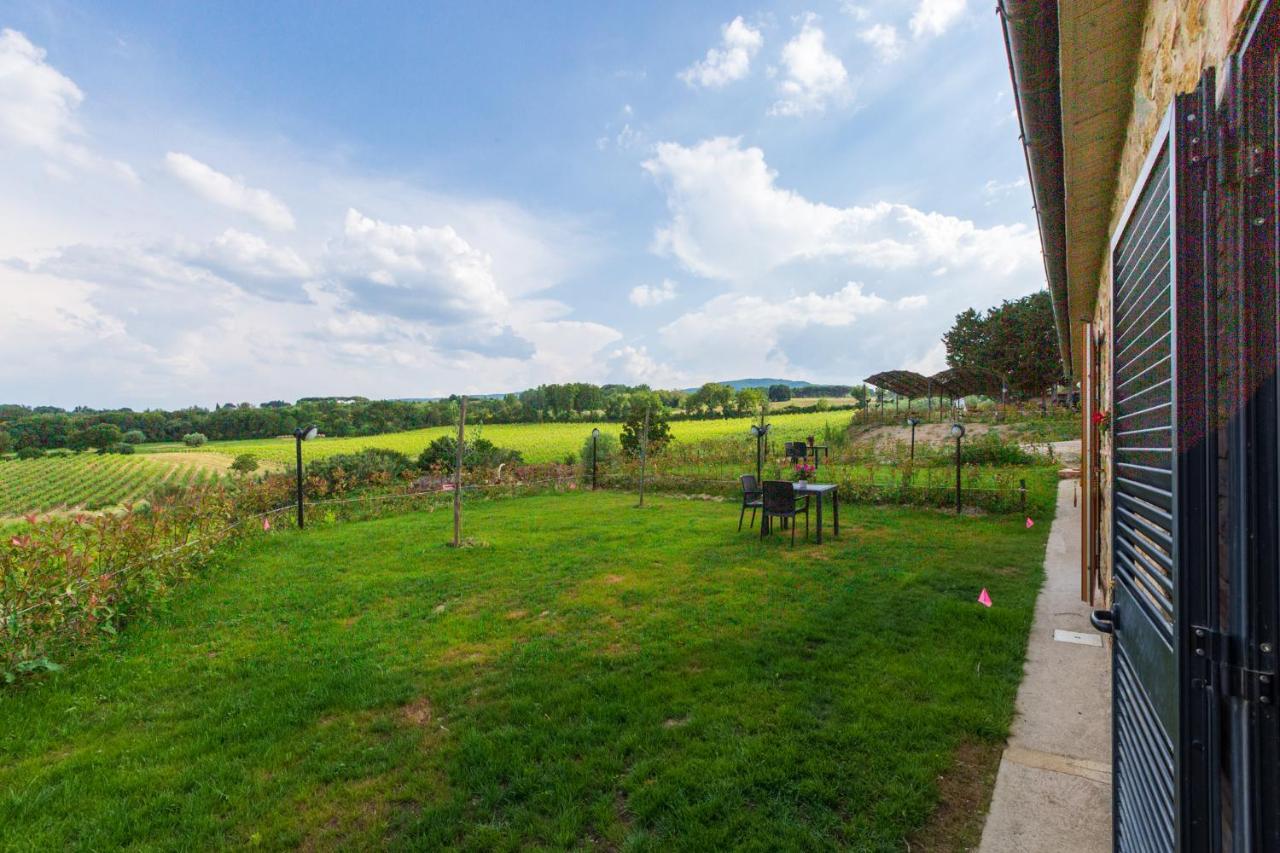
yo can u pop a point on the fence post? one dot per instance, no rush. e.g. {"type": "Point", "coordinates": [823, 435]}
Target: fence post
{"type": "Point", "coordinates": [644, 453]}
{"type": "Point", "coordinates": [1022, 487]}
{"type": "Point", "coordinates": [457, 475]}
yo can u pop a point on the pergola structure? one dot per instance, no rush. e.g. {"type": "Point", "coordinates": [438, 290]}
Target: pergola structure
{"type": "Point", "coordinates": [905, 383]}
{"type": "Point", "coordinates": [962, 381]}
{"type": "Point", "coordinates": [955, 383]}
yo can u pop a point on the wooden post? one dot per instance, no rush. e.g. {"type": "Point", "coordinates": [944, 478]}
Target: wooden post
{"type": "Point", "coordinates": [457, 475]}
{"type": "Point", "coordinates": [644, 453]}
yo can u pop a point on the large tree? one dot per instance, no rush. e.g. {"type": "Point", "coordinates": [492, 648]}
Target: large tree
{"type": "Point", "coordinates": [1016, 340]}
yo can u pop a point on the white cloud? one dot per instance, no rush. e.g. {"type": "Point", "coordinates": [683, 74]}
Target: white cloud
{"type": "Point", "coordinates": [731, 221]}
{"type": "Point", "coordinates": [813, 77]}
{"type": "Point", "coordinates": [791, 268]}
{"type": "Point", "coordinates": [995, 190]}
{"type": "Point", "coordinates": [252, 263]}
{"type": "Point", "coordinates": [634, 366]}
{"type": "Point", "coordinates": [931, 362]}
{"type": "Point", "coordinates": [856, 11]}
{"type": "Point", "coordinates": [935, 17]}
{"type": "Point", "coordinates": [424, 272]}
{"type": "Point", "coordinates": [884, 38]}
{"type": "Point", "coordinates": [38, 106]}
{"type": "Point", "coordinates": [229, 192]}
{"type": "Point", "coordinates": [648, 295]}
{"type": "Point", "coordinates": [731, 61]}
{"type": "Point", "coordinates": [755, 333]}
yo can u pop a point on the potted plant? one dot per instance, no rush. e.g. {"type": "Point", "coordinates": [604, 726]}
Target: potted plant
{"type": "Point", "coordinates": [803, 470]}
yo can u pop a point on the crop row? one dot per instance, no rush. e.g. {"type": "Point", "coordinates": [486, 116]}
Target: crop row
{"type": "Point", "coordinates": [86, 481]}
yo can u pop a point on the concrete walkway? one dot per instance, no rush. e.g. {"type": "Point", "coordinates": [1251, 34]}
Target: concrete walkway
{"type": "Point", "coordinates": [1053, 792]}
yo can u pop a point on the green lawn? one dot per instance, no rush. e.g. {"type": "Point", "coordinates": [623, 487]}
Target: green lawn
{"type": "Point", "coordinates": [545, 442]}
{"type": "Point", "coordinates": [590, 675]}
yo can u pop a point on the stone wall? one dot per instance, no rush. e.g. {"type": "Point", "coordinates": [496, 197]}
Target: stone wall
{"type": "Point", "coordinates": [1180, 40]}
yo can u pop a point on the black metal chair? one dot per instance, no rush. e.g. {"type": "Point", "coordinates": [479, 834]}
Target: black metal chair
{"type": "Point", "coordinates": [751, 498]}
{"type": "Point", "coordinates": [780, 501]}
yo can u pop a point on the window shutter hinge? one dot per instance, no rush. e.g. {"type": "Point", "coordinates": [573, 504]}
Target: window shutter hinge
{"type": "Point", "coordinates": [1231, 678]}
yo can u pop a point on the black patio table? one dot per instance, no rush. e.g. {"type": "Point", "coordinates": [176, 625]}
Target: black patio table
{"type": "Point", "coordinates": [820, 490]}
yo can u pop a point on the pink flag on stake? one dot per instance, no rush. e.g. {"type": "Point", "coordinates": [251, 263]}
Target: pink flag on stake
{"type": "Point", "coordinates": [266, 523]}
{"type": "Point", "coordinates": [1030, 524]}
{"type": "Point", "coordinates": [983, 598]}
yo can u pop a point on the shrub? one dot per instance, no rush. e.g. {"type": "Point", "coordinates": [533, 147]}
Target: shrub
{"type": "Point", "coordinates": [442, 455]}
{"type": "Point", "coordinates": [991, 449]}
{"type": "Point", "coordinates": [123, 449]}
{"type": "Point", "coordinates": [194, 439]}
{"type": "Point", "coordinates": [135, 436]}
{"type": "Point", "coordinates": [245, 463]}
{"type": "Point", "coordinates": [66, 581]}
{"type": "Point", "coordinates": [607, 449]}
{"type": "Point", "coordinates": [30, 453]}
{"type": "Point", "coordinates": [372, 467]}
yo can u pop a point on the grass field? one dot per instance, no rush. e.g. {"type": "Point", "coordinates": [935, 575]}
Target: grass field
{"type": "Point", "coordinates": [90, 481]}
{"type": "Point", "coordinates": [590, 676]}
{"type": "Point", "coordinates": [546, 442]}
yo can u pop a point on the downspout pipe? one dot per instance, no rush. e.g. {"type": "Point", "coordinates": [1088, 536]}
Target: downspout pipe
{"type": "Point", "coordinates": [1031, 42]}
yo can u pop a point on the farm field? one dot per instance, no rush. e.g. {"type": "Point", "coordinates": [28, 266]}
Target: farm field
{"type": "Point", "coordinates": [545, 442]}
{"type": "Point", "coordinates": [590, 675]}
{"type": "Point", "coordinates": [89, 481]}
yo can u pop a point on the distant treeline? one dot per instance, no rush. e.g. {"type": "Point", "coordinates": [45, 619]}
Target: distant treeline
{"type": "Point", "coordinates": [50, 427]}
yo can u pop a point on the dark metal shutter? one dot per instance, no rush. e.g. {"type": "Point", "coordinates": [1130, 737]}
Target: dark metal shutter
{"type": "Point", "coordinates": [1162, 486]}
{"type": "Point", "coordinates": [1142, 519]}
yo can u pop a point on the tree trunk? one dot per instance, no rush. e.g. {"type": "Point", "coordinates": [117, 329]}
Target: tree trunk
{"type": "Point", "coordinates": [644, 454]}
{"type": "Point", "coordinates": [457, 476]}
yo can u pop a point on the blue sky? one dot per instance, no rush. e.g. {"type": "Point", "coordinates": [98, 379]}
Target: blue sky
{"type": "Point", "coordinates": [234, 201]}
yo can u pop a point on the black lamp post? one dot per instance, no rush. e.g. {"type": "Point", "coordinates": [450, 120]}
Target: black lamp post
{"type": "Point", "coordinates": [957, 430]}
{"type": "Point", "coordinates": [300, 435]}
{"type": "Point", "coordinates": [913, 422]}
{"type": "Point", "coordinates": [595, 435]}
{"type": "Point", "coordinates": [759, 431]}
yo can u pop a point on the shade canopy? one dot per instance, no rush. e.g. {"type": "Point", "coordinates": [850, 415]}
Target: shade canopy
{"type": "Point", "coordinates": [963, 381]}
{"type": "Point", "coordinates": [904, 383]}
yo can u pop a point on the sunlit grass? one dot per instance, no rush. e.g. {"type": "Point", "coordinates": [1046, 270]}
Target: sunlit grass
{"type": "Point", "coordinates": [588, 675]}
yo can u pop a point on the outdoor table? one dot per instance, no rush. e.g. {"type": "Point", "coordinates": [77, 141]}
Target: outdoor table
{"type": "Point", "coordinates": [819, 490]}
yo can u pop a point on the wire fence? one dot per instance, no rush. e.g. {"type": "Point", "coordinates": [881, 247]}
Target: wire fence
{"type": "Point", "coordinates": [68, 601]}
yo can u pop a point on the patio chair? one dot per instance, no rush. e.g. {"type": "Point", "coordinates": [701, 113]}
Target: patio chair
{"type": "Point", "coordinates": [780, 501]}
{"type": "Point", "coordinates": [750, 498]}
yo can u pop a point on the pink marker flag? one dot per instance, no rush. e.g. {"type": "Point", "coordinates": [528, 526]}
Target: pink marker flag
{"type": "Point", "coordinates": [984, 598]}
{"type": "Point", "coordinates": [266, 523]}
{"type": "Point", "coordinates": [1030, 524]}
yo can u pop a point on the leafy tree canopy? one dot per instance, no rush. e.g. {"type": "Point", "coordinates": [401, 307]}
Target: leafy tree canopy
{"type": "Point", "coordinates": [1017, 340]}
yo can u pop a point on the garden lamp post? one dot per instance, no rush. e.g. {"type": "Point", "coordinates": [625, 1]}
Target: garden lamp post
{"type": "Point", "coordinates": [595, 436]}
{"type": "Point", "coordinates": [759, 431]}
{"type": "Point", "coordinates": [913, 422]}
{"type": "Point", "coordinates": [300, 435]}
{"type": "Point", "coordinates": [957, 430]}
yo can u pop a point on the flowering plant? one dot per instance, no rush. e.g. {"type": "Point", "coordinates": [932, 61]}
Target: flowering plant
{"type": "Point", "coordinates": [1102, 420]}
{"type": "Point", "coordinates": [803, 469]}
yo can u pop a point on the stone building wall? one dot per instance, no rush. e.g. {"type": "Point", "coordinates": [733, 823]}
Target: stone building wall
{"type": "Point", "coordinates": [1180, 40]}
